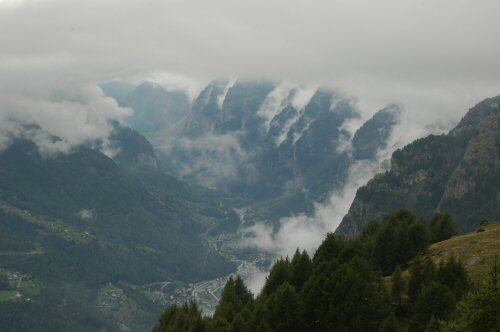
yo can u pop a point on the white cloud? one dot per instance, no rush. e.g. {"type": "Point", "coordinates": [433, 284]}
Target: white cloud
{"type": "Point", "coordinates": [307, 232]}
{"type": "Point", "coordinates": [72, 114]}
{"type": "Point", "coordinates": [172, 82]}
{"type": "Point", "coordinates": [274, 103]}
{"type": "Point", "coordinates": [435, 58]}
{"type": "Point", "coordinates": [222, 97]}
{"type": "Point", "coordinates": [302, 96]}
{"type": "Point", "coordinates": [212, 159]}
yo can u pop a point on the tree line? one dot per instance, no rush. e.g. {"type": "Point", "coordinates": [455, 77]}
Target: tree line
{"type": "Point", "coordinates": [379, 281]}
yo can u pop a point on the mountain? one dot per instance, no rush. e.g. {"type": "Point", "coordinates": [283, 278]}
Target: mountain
{"type": "Point", "coordinates": [77, 228]}
{"type": "Point", "coordinates": [281, 148]}
{"type": "Point", "coordinates": [155, 108]}
{"type": "Point", "coordinates": [358, 284]}
{"type": "Point", "coordinates": [455, 173]}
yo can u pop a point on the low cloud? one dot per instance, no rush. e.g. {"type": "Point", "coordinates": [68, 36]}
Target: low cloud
{"type": "Point", "coordinates": [307, 232]}
{"type": "Point", "coordinates": [274, 103]}
{"type": "Point", "coordinates": [435, 58]}
{"type": "Point", "coordinates": [174, 82]}
{"type": "Point", "coordinates": [59, 119]}
{"type": "Point", "coordinates": [211, 159]}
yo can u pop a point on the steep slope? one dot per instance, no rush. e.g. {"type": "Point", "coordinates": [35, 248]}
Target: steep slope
{"type": "Point", "coordinates": [455, 173]}
{"type": "Point", "coordinates": [74, 224]}
{"type": "Point", "coordinates": [474, 250]}
{"type": "Point", "coordinates": [280, 148]}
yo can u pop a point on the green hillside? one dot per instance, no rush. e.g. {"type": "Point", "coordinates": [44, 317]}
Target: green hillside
{"type": "Point", "coordinates": [85, 239]}
{"type": "Point", "coordinates": [474, 250]}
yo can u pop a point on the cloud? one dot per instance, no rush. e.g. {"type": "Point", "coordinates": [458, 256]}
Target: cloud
{"type": "Point", "coordinates": [307, 232]}
{"type": "Point", "coordinates": [435, 58]}
{"type": "Point", "coordinates": [211, 159]}
{"type": "Point", "coordinates": [58, 119]}
{"type": "Point", "coordinates": [175, 82]}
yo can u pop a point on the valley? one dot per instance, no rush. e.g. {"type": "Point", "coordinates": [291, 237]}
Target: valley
{"type": "Point", "coordinates": [241, 166]}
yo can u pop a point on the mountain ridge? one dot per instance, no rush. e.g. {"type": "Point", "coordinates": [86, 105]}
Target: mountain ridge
{"type": "Point", "coordinates": [454, 172]}
{"type": "Point", "coordinates": [87, 221]}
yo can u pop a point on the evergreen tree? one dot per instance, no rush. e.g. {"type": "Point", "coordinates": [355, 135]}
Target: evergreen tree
{"type": "Point", "coordinates": [342, 289]}
{"type": "Point", "coordinates": [418, 235]}
{"type": "Point", "coordinates": [390, 324]}
{"type": "Point", "coordinates": [434, 299]}
{"type": "Point", "coordinates": [280, 272]}
{"type": "Point", "coordinates": [480, 309]}
{"type": "Point", "coordinates": [352, 296]}
{"type": "Point", "coordinates": [300, 269]}
{"type": "Point", "coordinates": [217, 324]}
{"type": "Point", "coordinates": [421, 273]}
{"type": "Point", "coordinates": [240, 324]}
{"type": "Point", "coordinates": [316, 301]}
{"type": "Point", "coordinates": [234, 297]}
{"type": "Point", "coordinates": [184, 318]}
{"type": "Point", "coordinates": [260, 314]}
{"type": "Point", "coordinates": [263, 327]}
{"type": "Point", "coordinates": [433, 325]}
{"type": "Point", "coordinates": [442, 227]}
{"type": "Point", "coordinates": [453, 274]}
{"type": "Point", "coordinates": [398, 285]}
{"type": "Point", "coordinates": [386, 248]}
{"type": "Point", "coordinates": [331, 247]}
{"type": "Point", "coordinates": [285, 310]}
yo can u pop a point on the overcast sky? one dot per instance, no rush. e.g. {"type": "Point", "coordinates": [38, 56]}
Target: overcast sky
{"type": "Point", "coordinates": [436, 58]}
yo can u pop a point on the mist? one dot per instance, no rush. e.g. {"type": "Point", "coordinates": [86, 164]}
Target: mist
{"type": "Point", "coordinates": [434, 62]}
{"type": "Point", "coordinates": [59, 119]}
{"type": "Point", "coordinates": [307, 232]}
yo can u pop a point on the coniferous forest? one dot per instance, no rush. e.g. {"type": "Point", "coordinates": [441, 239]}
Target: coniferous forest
{"type": "Point", "coordinates": [380, 281]}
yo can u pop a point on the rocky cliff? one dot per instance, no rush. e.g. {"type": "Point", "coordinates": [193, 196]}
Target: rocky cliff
{"type": "Point", "coordinates": [458, 172]}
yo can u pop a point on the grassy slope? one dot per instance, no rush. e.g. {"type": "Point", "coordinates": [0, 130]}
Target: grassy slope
{"type": "Point", "coordinates": [478, 246]}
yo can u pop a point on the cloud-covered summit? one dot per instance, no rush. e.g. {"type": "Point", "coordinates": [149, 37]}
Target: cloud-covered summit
{"type": "Point", "coordinates": [432, 57]}
{"type": "Point", "coordinates": [60, 119]}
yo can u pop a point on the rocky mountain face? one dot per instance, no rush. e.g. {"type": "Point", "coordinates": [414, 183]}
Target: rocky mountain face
{"type": "Point", "coordinates": [273, 142]}
{"type": "Point", "coordinates": [456, 173]}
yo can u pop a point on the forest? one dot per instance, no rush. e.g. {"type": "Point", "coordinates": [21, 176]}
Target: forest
{"type": "Point", "coordinates": [379, 281]}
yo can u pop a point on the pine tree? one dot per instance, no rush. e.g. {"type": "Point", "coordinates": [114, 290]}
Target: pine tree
{"type": "Point", "coordinates": [280, 272]}
{"type": "Point", "coordinates": [453, 274]}
{"type": "Point", "coordinates": [433, 325]}
{"type": "Point", "coordinates": [300, 269]}
{"type": "Point", "coordinates": [480, 309]}
{"type": "Point", "coordinates": [398, 285]}
{"type": "Point", "coordinates": [434, 299]}
{"type": "Point", "coordinates": [234, 297]}
{"type": "Point", "coordinates": [442, 227]}
{"type": "Point", "coordinates": [240, 324]}
{"type": "Point", "coordinates": [390, 324]}
{"type": "Point", "coordinates": [184, 318]}
{"type": "Point", "coordinates": [386, 248]}
{"type": "Point", "coordinates": [418, 235]}
{"type": "Point", "coordinates": [421, 273]}
{"type": "Point", "coordinates": [286, 310]}
{"type": "Point", "coordinates": [217, 324]}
